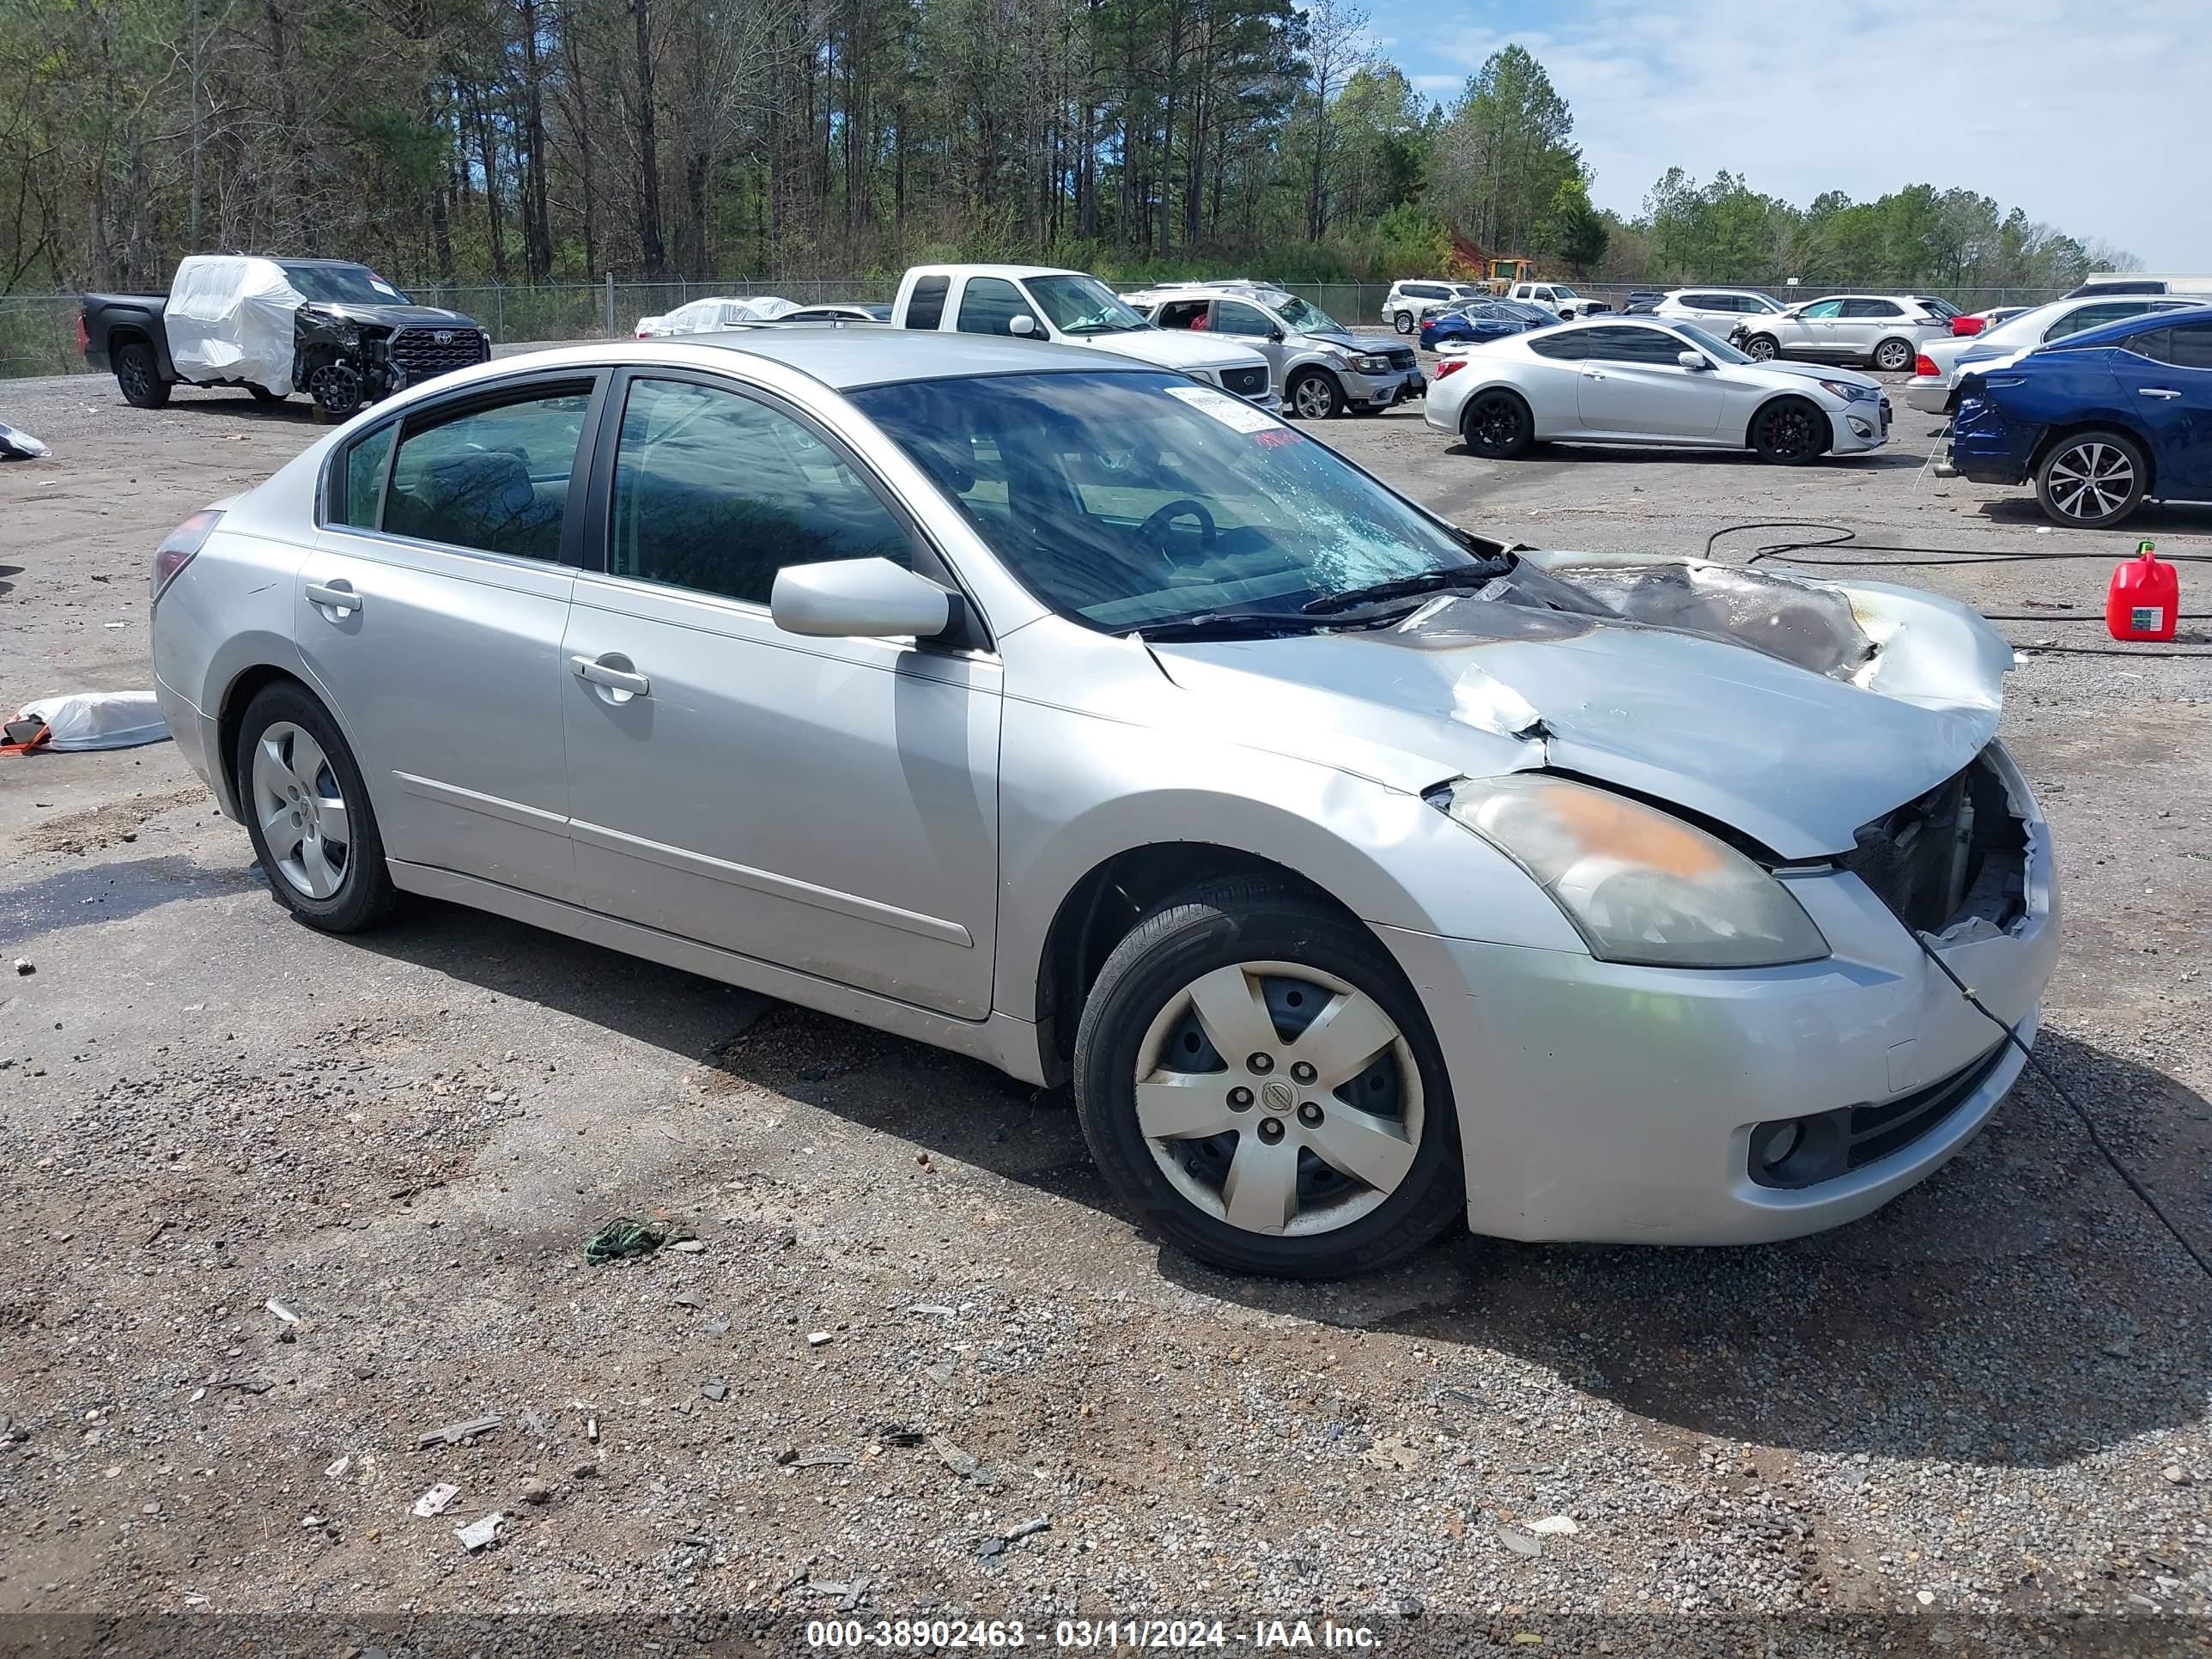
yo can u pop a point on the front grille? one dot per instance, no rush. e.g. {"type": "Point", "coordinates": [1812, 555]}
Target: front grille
{"type": "Point", "coordinates": [1875, 1131]}
{"type": "Point", "coordinates": [422, 354]}
{"type": "Point", "coordinates": [1909, 857]}
{"type": "Point", "coordinates": [1246, 382]}
{"type": "Point", "coordinates": [1399, 356]}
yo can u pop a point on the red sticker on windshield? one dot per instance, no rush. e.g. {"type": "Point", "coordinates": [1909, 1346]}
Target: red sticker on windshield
{"type": "Point", "coordinates": [1275, 437]}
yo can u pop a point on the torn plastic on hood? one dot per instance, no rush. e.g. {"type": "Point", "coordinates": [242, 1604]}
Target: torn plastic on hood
{"type": "Point", "coordinates": [230, 318]}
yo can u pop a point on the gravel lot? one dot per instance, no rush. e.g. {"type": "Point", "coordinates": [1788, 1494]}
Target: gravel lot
{"type": "Point", "coordinates": [1985, 1405]}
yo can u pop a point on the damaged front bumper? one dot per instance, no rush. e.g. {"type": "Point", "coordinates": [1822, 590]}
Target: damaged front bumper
{"type": "Point", "coordinates": [1610, 1102]}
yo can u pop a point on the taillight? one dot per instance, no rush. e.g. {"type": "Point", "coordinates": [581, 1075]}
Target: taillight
{"type": "Point", "coordinates": [182, 542]}
{"type": "Point", "coordinates": [1924, 364]}
{"type": "Point", "coordinates": [84, 339]}
{"type": "Point", "coordinates": [1968, 324]}
{"type": "Point", "coordinates": [1449, 366]}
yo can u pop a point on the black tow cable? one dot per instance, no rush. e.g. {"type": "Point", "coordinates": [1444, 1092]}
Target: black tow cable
{"type": "Point", "coordinates": [1839, 536]}
{"type": "Point", "coordinates": [2013, 1036]}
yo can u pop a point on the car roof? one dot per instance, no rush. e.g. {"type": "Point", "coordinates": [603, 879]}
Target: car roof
{"type": "Point", "coordinates": [846, 358]}
{"type": "Point", "coordinates": [1010, 272]}
{"type": "Point", "coordinates": [2128, 327]}
{"type": "Point", "coordinates": [1705, 287]}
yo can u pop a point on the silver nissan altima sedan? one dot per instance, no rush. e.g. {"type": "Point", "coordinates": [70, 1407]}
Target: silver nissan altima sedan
{"type": "Point", "coordinates": [1357, 872]}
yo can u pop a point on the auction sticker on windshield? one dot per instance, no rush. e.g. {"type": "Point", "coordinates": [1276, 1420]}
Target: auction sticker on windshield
{"type": "Point", "coordinates": [1232, 412]}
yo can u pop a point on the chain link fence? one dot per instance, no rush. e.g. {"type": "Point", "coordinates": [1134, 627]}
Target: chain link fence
{"type": "Point", "coordinates": [38, 331]}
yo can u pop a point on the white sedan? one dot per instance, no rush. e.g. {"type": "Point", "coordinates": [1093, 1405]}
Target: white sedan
{"type": "Point", "coordinates": [709, 316]}
{"type": "Point", "coordinates": [1617, 381]}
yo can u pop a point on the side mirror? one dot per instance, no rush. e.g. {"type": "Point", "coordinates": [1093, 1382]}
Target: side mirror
{"type": "Point", "coordinates": [1275, 337]}
{"type": "Point", "coordinates": [1691, 360]}
{"type": "Point", "coordinates": [1024, 327]}
{"type": "Point", "coordinates": [858, 598]}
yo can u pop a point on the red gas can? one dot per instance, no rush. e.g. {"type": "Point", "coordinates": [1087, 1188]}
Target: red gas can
{"type": "Point", "coordinates": [2144, 601]}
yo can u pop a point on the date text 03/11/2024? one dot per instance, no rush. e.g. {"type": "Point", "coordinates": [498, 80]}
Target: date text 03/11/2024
{"type": "Point", "coordinates": [1105, 1634]}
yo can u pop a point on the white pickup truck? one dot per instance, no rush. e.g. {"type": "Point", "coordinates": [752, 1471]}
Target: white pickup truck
{"type": "Point", "coordinates": [1037, 302]}
{"type": "Point", "coordinates": [1557, 298]}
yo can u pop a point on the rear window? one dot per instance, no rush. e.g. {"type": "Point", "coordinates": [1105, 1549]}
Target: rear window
{"type": "Point", "coordinates": [925, 307]}
{"type": "Point", "coordinates": [359, 481]}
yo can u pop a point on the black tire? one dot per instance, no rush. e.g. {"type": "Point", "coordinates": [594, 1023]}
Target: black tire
{"type": "Point", "coordinates": [1225, 923]}
{"type": "Point", "coordinates": [139, 375]}
{"type": "Point", "coordinates": [1497, 425]}
{"type": "Point", "coordinates": [1894, 356]}
{"type": "Point", "coordinates": [2092, 480]}
{"type": "Point", "coordinates": [1790, 432]}
{"type": "Point", "coordinates": [262, 394]}
{"type": "Point", "coordinates": [1404, 322]}
{"type": "Point", "coordinates": [1314, 395]}
{"type": "Point", "coordinates": [364, 895]}
{"type": "Point", "coordinates": [1761, 349]}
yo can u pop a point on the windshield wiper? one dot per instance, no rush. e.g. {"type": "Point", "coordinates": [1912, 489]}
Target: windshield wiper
{"type": "Point", "coordinates": [1400, 587]}
{"type": "Point", "coordinates": [1234, 624]}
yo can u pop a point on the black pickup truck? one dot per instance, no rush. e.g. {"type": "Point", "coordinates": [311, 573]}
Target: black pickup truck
{"type": "Point", "coordinates": [334, 329]}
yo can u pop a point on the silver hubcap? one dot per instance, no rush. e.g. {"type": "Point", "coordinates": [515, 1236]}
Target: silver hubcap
{"type": "Point", "coordinates": [302, 814]}
{"type": "Point", "coordinates": [1760, 350]}
{"type": "Point", "coordinates": [1313, 399]}
{"type": "Point", "coordinates": [1279, 1098]}
{"type": "Point", "coordinates": [2091, 480]}
{"type": "Point", "coordinates": [1893, 357]}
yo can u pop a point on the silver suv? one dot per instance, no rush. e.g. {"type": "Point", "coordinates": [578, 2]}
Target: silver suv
{"type": "Point", "coordinates": [1882, 330]}
{"type": "Point", "coordinates": [1407, 302]}
{"type": "Point", "coordinates": [1320, 367]}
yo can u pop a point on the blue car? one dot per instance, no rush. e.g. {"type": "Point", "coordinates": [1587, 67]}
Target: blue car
{"type": "Point", "coordinates": [2098, 420]}
{"type": "Point", "coordinates": [1482, 319]}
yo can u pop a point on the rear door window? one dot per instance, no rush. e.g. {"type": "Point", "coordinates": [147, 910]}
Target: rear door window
{"type": "Point", "coordinates": [925, 307]}
{"type": "Point", "coordinates": [1634, 345]}
{"type": "Point", "coordinates": [1566, 347]}
{"type": "Point", "coordinates": [490, 477]}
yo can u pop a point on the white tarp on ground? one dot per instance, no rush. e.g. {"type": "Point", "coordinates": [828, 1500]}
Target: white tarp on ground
{"type": "Point", "coordinates": [99, 719]}
{"type": "Point", "coordinates": [18, 445]}
{"type": "Point", "coordinates": [230, 318]}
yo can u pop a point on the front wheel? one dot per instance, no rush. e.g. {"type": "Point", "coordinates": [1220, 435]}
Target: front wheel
{"type": "Point", "coordinates": [1893, 356]}
{"type": "Point", "coordinates": [1256, 1075]}
{"type": "Point", "coordinates": [2091, 480]}
{"type": "Point", "coordinates": [140, 377]}
{"type": "Point", "coordinates": [1497, 426]}
{"type": "Point", "coordinates": [1315, 396]}
{"type": "Point", "coordinates": [308, 813]}
{"type": "Point", "coordinates": [1760, 348]}
{"type": "Point", "coordinates": [1790, 432]}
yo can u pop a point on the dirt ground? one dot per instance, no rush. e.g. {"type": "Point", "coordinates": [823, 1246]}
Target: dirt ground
{"type": "Point", "coordinates": [916, 1325]}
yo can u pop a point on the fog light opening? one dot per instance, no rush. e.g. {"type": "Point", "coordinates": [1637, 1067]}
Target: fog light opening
{"type": "Point", "coordinates": [1799, 1152]}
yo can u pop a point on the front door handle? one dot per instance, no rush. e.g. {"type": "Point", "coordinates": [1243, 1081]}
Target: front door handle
{"type": "Point", "coordinates": [338, 596]}
{"type": "Point", "coordinates": [599, 672]}
{"type": "Point", "coordinates": [2158, 392]}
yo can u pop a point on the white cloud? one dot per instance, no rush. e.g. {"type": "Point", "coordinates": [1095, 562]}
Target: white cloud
{"type": "Point", "coordinates": [2085, 116]}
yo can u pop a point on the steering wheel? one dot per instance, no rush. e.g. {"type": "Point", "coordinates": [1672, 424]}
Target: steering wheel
{"type": "Point", "coordinates": [1152, 533]}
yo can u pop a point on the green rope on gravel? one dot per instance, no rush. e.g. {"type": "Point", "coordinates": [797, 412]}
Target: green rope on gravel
{"type": "Point", "coordinates": [626, 1236]}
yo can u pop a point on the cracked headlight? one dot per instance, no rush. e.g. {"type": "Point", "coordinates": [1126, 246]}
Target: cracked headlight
{"type": "Point", "coordinates": [1638, 885]}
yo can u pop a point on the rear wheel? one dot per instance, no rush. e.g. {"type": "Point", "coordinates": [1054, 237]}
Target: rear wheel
{"type": "Point", "coordinates": [1893, 356]}
{"type": "Point", "coordinates": [1497, 426]}
{"type": "Point", "coordinates": [1790, 432]}
{"type": "Point", "coordinates": [307, 811]}
{"type": "Point", "coordinates": [140, 376]}
{"type": "Point", "coordinates": [2091, 480]}
{"type": "Point", "coordinates": [1255, 1074]}
{"type": "Point", "coordinates": [1315, 396]}
{"type": "Point", "coordinates": [1761, 348]}
{"type": "Point", "coordinates": [1404, 322]}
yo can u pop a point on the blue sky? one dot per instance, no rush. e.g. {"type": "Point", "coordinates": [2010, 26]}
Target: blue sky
{"type": "Point", "coordinates": [2092, 118]}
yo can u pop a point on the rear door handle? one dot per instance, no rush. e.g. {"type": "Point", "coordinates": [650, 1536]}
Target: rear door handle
{"type": "Point", "coordinates": [2158, 392]}
{"type": "Point", "coordinates": [338, 596]}
{"type": "Point", "coordinates": [615, 679]}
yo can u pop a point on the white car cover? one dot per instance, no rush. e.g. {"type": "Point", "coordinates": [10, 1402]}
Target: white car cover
{"type": "Point", "coordinates": [230, 318]}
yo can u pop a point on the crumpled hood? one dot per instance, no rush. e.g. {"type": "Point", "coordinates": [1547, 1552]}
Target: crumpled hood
{"type": "Point", "coordinates": [391, 316]}
{"type": "Point", "coordinates": [1854, 699]}
{"type": "Point", "coordinates": [1172, 348]}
